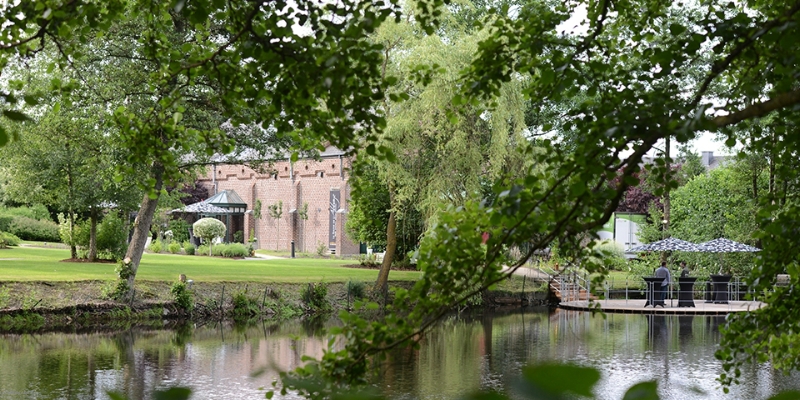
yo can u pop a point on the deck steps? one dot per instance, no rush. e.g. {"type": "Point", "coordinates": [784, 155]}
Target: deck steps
{"type": "Point", "coordinates": [570, 291]}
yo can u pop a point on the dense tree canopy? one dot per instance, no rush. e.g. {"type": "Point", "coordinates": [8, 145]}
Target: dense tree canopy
{"type": "Point", "coordinates": [168, 74]}
{"type": "Point", "coordinates": [635, 73]}
{"type": "Point", "coordinates": [444, 154]}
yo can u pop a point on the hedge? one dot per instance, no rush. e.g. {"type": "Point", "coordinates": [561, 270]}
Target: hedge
{"type": "Point", "coordinates": [30, 229]}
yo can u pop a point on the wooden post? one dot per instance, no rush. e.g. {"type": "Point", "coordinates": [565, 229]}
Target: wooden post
{"type": "Point", "coordinates": [222, 298]}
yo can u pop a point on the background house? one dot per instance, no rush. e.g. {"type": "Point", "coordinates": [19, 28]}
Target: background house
{"type": "Point", "coordinates": [321, 184]}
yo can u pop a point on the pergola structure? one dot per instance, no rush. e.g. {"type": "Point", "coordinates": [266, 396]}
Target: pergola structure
{"type": "Point", "coordinates": [225, 206]}
{"type": "Point", "coordinates": [235, 208]}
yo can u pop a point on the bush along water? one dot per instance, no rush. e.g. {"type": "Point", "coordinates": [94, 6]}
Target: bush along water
{"type": "Point", "coordinates": [182, 296]}
{"type": "Point", "coordinates": [314, 297]}
{"type": "Point", "coordinates": [243, 306]}
{"type": "Point", "coordinates": [153, 303]}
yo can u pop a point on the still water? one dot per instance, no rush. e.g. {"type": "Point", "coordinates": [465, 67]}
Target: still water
{"type": "Point", "coordinates": [463, 354]}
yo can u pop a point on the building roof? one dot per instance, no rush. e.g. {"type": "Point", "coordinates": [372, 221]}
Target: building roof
{"type": "Point", "coordinates": [226, 198]}
{"type": "Point", "coordinates": [707, 158]}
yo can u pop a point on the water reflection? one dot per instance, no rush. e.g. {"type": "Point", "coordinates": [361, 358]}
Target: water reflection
{"type": "Point", "coordinates": [464, 353]}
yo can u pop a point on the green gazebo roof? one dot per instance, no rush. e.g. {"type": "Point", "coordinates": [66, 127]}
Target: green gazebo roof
{"type": "Point", "coordinates": [226, 199]}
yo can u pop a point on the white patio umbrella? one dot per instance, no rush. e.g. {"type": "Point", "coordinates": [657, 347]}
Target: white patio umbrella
{"type": "Point", "coordinates": [668, 244]}
{"type": "Point", "coordinates": [723, 245]}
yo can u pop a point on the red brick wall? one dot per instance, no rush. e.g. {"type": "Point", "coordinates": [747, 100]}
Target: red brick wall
{"type": "Point", "coordinates": [307, 186]}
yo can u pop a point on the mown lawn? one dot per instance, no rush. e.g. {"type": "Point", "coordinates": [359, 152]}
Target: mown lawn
{"type": "Point", "coordinates": [44, 264]}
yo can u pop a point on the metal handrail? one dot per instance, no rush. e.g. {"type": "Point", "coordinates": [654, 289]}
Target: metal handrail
{"type": "Point", "coordinates": [570, 286]}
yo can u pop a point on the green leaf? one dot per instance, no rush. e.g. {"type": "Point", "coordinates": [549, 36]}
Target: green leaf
{"type": "Point", "coordinates": [547, 76]}
{"type": "Point", "coordinates": [15, 115]}
{"type": "Point", "coordinates": [642, 391]}
{"type": "Point", "coordinates": [787, 395]}
{"type": "Point", "coordinates": [577, 189]}
{"type": "Point", "coordinates": [676, 29]}
{"type": "Point", "coordinates": [31, 100]}
{"type": "Point", "coordinates": [176, 393]}
{"type": "Point", "coordinates": [116, 396]}
{"type": "Point", "coordinates": [553, 381]}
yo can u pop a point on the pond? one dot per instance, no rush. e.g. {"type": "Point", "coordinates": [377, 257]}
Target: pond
{"type": "Point", "coordinates": [464, 353]}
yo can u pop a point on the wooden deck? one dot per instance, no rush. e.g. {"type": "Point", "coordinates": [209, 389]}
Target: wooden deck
{"type": "Point", "coordinates": [637, 307]}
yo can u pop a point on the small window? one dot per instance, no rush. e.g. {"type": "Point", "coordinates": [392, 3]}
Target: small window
{"type": "Point", "coordinates": [275, 176]}
{"type": "Point", "coordinates": [242, 170]}
{"type": "Point", "coordinates": [333, 166]}
{"type": "Point", "coordinates": [321, 174]}
{"type": "Point", "coordinates": [285, 168]}
{"type": "Point", "coordinates": [306, 167]}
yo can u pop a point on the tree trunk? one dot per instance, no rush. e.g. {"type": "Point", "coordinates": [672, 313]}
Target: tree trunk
{"type": "Point", "coordinates": [141, 226]}
{"type": "Point", "coordinates": [382, 283]}
{"type": "Point", "coordinates": [93, 234]}
{"type": "Point", "coordinates": [666, 195]}
{"type": "Point", "coordinates": [73, 250]}
{"type": "Point", "coordinates": [772, 188]}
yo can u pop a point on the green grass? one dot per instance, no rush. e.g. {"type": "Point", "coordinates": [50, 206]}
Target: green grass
{"type": "Point", "coordinates": [43, 264]}
{"type": "Point", "coordinates": [288, 253]}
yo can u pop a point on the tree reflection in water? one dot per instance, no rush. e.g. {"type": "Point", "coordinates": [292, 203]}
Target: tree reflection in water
{"type": "Point", "coordinates": [464, 353]}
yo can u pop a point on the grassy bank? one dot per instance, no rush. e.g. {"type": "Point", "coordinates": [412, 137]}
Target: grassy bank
{"type": "Point", "coordinates": [36, 281]}
{"type": "Point", "coordinates": [25, 264]}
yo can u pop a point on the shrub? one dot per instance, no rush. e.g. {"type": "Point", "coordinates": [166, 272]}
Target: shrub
{"type": "Point", "coordinates": [321, 249]}
{"type": "Point", "coordinates": [31, 229]}
{"type": "Point", "coordinates": [78, 236]}
{"type": "Point", "coordinates": [8, 239]}
{"type": "Point", "coordinates": [202, 250]}
{"type": "Point", "coordinates": [235, 250]}
{"type": "Point", "coordinates": [174, 247]}
{"type": "Point", "coordinates": [609, 253]}
{"type": "Point", "coordinates": [180, 230]}
{"type": "Point", "coordinates": [37, 212]}
{"type": "Point", "coordinates": [5, 222]}
{"type": "Point", "coordinates": [313, 297]}
{"type": "Point", "coordinates": [208, 229]}
{"type": "Point", "coordinates": [355, 289]}
{"type": "Point", "coordinates": [188, 248]}
{"type": "Point", "coordinates": [244, 306]}
{"type": "Point", "coordinates": [156, 246]}
{"type": "Point", "coordinates": [112, 237]}
{"type": "Point", "coordinates": [230, 250]}
{"type": "Point", "coordinates": [368, 260]}
{"type": "Point", "coordinates": [182, 296]}
{"type": "Point", "coordinates": [238, 237]}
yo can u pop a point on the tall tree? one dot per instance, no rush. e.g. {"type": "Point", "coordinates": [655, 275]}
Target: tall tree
{"type": "Point", "coordinates": [64, 161]}
{"type": "Point", "coordinates": [445, 154]}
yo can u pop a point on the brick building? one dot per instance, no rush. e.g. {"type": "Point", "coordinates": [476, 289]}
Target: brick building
{"type": "Point", "coordinates": [321, 184]}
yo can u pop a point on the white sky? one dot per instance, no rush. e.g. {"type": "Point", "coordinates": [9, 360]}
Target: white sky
{"type": "Point", "coordinates": [703, 142]}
